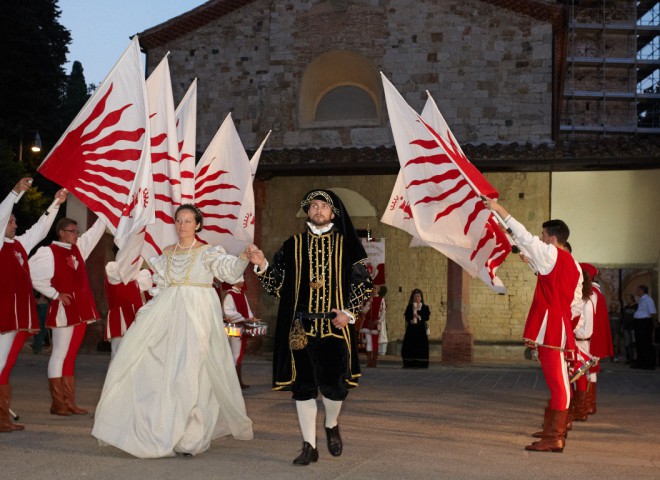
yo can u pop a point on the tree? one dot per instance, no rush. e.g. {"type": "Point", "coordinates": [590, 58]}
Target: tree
{"type": "Point", "coordinates": [32, 80]}
{"type": "Point", "coordinates": [75, 94]}
{"type": "Point", "coordinates": [32, 77]}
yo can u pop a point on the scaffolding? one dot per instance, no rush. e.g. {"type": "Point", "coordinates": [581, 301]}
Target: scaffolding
{"type": "Point", "coordinates": [612, 83]}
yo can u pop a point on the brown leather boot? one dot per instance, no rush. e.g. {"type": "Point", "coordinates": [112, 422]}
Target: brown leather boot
{"type": "Point", "coordinates": [58, 407]}
{"type": "Point", "coordinates": [580, 411]}
{"type": "Point", "coordinates": [591, 398]}
{"type": "Point", "coordinates": [554, 438]}
{"type": "Point", "coordinates": [546, 423]}
{"type": "Point", "coordinates": [69, 388]}
{"type": "Point", "coordinates": [240, 379]}
{"type": "Point", "coordinates": [6, 425]}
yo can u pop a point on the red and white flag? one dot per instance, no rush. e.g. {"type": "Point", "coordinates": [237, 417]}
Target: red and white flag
{"type": "Point", "coordinates": [186, 130]}
{"type": "Point", "coordinates": [221, 182]}
{"type": "Point", "coordinates": [436, 196]}
{"type": "Point", "coordinates": [103, 157]}
{"type": "Point", "coordinates": [244, 229]}
{"type": "Point", "coordinates": [164, 161]}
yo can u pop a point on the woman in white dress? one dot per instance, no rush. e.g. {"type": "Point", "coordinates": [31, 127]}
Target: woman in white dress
{"type": "Point", "coordinates": [172, 387]}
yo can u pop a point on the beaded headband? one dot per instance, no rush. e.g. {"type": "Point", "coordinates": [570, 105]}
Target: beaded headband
{"type": "Point", "coordinates": [315, 196]}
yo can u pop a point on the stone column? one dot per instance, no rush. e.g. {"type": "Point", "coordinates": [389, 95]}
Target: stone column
{"type": "Point", "coordinates": [457, 340]}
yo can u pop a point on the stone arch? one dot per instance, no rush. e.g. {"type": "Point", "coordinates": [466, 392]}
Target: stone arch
{"type": "Point", "coordinates": [343, 78]}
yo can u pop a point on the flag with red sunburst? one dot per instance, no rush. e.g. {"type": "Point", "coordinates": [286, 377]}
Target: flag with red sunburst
{"type": "Point", "coordinates": [221, 182]}
{"type": "Point", "coordinates": [103, 158]}
{"type": "Point", "coordinates": [436, 195]}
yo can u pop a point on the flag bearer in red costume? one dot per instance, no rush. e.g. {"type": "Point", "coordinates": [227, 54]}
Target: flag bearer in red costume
{"type": "Point", "coordinates": [237, 310]}
{"type": "Point", "coordinates": [375, 310]}
{"type": "Point", "coordinates": [18, 314]}
{"type": "Point", "coordinates": [58, 272]}
{"type": "Point", "coordinates": [557, 299]}
{"type": "Point", "coordinates": [600, 344]}
{"type": "Point", "coordinates": [124, 300]}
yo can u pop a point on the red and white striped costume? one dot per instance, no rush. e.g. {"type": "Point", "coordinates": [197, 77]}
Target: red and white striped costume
{"type": "Point", "coordinates": [557, 299]}
{"type": "Point", "coordinates": [124, 300]}
{"type": "Point", "coordinates": [60, 268]}
{"type": "Point", "coordinates": [18, 314]}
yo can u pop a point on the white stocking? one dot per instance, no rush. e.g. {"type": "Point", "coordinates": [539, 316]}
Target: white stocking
{"type": "Point", "coordinates": [593, 377]}
{"type": "Point", "coordinates": [61, 341]}
{"type": "Point", "coordinates": [332, 410]}
{"type": "Point", "coordinates": [307, 419]}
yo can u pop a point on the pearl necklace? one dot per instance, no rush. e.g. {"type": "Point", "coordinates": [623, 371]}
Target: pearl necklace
{"type": "Point", "coordinates": [189, 248]}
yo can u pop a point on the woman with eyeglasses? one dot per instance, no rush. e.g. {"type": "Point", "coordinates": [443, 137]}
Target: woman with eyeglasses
{"type": "Point", "coordinates": [58, 272]}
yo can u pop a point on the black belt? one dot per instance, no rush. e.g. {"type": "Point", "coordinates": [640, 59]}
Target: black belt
{"type": "Point", "coordinates": [583, 339]}
{"type": "Point", "coordinates": [315, 316]}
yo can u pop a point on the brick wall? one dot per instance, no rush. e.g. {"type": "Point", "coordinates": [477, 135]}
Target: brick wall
{"type": "Point", "coordinates": [488, 68]}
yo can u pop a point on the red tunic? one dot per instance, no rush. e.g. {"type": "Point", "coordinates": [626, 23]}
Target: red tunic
{"type": "Point", "coordinates": [372, 316]}
{"type": "Point", "coordinates": [17, 305]}
{"type": "Point", "coordinates": [123, 303]}
{"type": "Point", "coordinates": [550, 314]}
{"type": "Point", "coordinates": [70, 276]}
{"type": "Point", "coordinates": [601, 338]}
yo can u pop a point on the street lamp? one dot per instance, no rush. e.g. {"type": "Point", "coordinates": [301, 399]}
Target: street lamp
{"type": "Point", "coordinates": [35, 146]}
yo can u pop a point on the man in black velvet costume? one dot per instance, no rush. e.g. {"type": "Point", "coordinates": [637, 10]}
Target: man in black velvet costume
{"type": "Point", "coordinates": [321, 278]}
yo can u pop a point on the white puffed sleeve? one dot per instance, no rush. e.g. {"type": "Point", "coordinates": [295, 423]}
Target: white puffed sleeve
{"type": "Point", "coordinates": [159, 278]}
{"type": "Point", "coordinates": [223, 266]}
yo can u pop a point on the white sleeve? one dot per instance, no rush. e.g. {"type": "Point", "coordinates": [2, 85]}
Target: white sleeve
{"type": "Point", "coordinates": [578, 303]}
{"type": "Point", "coordinates": [39, 230]}
{"type": "Point", "coordinates": [543, 255]}
{"type": "Point", "coordinates": [585, 326]}
{"type": "Point", "coordinates": [6, 207]}
{"type": "Point", "coordinates": [88, 240]}
{"type": "Point", "coordinates": [42, 269]}
{"type": "Point", "coordinates": [224, 267]}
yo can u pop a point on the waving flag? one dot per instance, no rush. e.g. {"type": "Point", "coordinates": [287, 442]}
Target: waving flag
{"type": "Point", "coordinates": [221, 182]}
{"type": "Point", "coordinates": [186, 128]}
{"type": "Point", "coordinates": [244, 229]}
{"type": "Point", "coordinates": [103, 156]}
{"type": "Point", "coordinates": [164, 161]}
{"type": "Point", "coordinates": [436, 195]}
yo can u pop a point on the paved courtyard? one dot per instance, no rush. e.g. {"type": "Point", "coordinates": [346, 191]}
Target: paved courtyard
{"type": "Point", "coordinates": [468, 422]}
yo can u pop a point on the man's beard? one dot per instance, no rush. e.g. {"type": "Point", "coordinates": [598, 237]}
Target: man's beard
{"type": "Point", "coordinates": [318, 224]}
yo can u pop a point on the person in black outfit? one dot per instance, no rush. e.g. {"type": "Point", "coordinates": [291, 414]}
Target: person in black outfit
{"type": "Point", "coordinates": [628, 319]}
{"type": "Point", "coordinates": [415, 349]}
{"type": "Point", "coordinates": [321, 279]}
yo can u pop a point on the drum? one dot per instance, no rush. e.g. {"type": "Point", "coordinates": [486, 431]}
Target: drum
{"type": "Point", "coordinates": [256, 329]}
{"type": "Point", "coordinates": [233, 329]}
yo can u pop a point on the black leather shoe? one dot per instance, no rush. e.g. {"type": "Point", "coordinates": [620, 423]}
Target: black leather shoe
{"type": "Point", "coordinates": [334, 440]}
{"type": "Point", "coordinates": [309, 454]}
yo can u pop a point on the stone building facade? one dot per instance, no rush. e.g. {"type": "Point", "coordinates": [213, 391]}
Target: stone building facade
{"type": "Point", "coordinates": [308, 70]}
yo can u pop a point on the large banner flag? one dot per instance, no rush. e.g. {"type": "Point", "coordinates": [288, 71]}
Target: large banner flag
{"type": "Point", "coordinates": [164, 161]}
{"type": "Point", "coordinates": [436, 195]}
{"type": "Point", "coordinates": [244, 229]}
{"type": "Point", "coordinates": [103, 157]}
{"type": "Point", "coordinates": [221, 181]}
{"type": "Point", "coordinates": [186, 130]}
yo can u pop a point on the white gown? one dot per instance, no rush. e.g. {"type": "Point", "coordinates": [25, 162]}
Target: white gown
{"type": "Point", "coordinates": [172, 387]}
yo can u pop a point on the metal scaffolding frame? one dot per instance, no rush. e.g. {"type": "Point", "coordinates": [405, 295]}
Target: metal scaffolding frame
{"type": "Point", "coordinates": [613, 68]}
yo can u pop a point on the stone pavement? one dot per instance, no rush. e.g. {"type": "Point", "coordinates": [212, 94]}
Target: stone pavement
{"type": "Point", "coordinates": [468, 422]}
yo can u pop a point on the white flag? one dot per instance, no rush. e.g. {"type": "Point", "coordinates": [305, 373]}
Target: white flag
{"type": "Point", "coordinates": [244, 230]}
{"type": "Point", "coordinates": [186, 129]}
{"type": "Point", "coordinates": [164, 161]}
{"type": "Point", "coordinates": [103, 157]}
{"type": "Point", "coordinates": [221, 180]}
{"type": "Point", "coordinates": [434, 198]}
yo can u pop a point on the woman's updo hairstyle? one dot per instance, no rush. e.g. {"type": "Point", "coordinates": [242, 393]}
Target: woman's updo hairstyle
{"type": "Point", "coordinates": [199, 218]}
